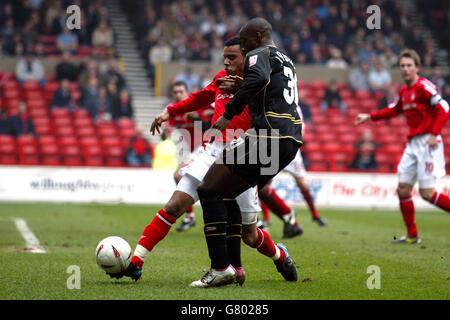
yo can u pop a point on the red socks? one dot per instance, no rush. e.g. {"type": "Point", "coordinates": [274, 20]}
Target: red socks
{"type": "Point", "coordinates": [441, 200]}
{"type": "Point", "coordinates": [265, 211]}
{"type": "Point", "coordinates": [408, 212]}
{"type": "Point", "coordinates": [310, 203]}
{"type": "Point", "coordinates": [266, 246]}
{"type": "Point", "coordinates": [153, 233]}
{"type": "Point", "coordinates": [277, 205]}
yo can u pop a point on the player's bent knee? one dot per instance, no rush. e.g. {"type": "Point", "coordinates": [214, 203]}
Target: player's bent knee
{"type": "Point", "coordinates": [426, 194]}
{"type": "Point", "coordinates": [249, 234]}
{"type": "Point", "coordinates": [404, 190]}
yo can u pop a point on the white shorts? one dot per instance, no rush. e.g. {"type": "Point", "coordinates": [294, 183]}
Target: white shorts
{"type": "Point", "coordinates": [194, 172]}
{"type": "Point", "coordinates": [296, 167]}
{"type": "Point", "coordinates": [420, 163]}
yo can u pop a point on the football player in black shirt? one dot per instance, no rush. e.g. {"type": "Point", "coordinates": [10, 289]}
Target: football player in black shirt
{"type": "Point", "coordinates": [269, 89]}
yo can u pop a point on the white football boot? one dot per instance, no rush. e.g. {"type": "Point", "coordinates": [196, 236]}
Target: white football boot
{"type": "Point", "coordinates": [216, 278]}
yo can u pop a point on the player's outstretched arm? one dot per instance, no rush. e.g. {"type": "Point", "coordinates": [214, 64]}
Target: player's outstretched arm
{"type": "Point", "coordinates": [159, 120]}
{"type": "Point", "coordinates": [361, 118]}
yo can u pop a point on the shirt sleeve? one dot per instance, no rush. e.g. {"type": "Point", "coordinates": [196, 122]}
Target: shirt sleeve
{"type": "Point", "coordinates": [441, 107]}
{"type": "Point", "coordinates": [257, 70]}
{"type": "Point", "coordinates": [392, 110]}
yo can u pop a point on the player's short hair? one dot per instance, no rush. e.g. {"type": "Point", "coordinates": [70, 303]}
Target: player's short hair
{"type": "Point", "coordinates": [177, 84]}
{"type": "Point", "coordinates": [410, 53]}
{"type": "Point", "coordinates": [234, 41]}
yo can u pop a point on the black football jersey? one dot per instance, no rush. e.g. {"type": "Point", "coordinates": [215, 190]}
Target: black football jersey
{"type": "Point", "coordinates": [270, 91]}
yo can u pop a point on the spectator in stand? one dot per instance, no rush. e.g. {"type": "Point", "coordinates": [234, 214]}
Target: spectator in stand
{"type": "Point", "coordinates": [66, 69]}
{"type": "Point", "coordinates": [190, 78]}
{"type": "Point", "coordinates": [336, 61]}
{"type": "Point", "coordinates": [437, 79]}
{"type": "Point", "coordinates": [22, 122]}
{"type": "Point", "coordinates": [90, 97]}
{"type": "Point", "coordinates": [125, 108]}
{"type": "Point", "coordinates": [7, 33]}
{"type": "Point", "coordinates": [161, 52]}
{"type": "Point", "coordinates": [113, 94]}
{"type": "Point", "coordinates": [139, 151]}
{"type": "Point", "coordinates": [388, 59]}
{"type": "Point", "coordinates": [366, 149]}
{"type": "Point", "coordinates": [390, 96]}
{"type": "Point", "coordinates": [30, 68]}
{"type": "Point", "coordinates": [103, 35]}
{"type": "Point", "coordinates": [113, 75]}
{"type": "Point", "coordinates": [379, 77]}
{"type": "Point", "coordinates": [88, 70]}
{"type": "Point", "coordinates": [359, 77]}
{"type": "Point", "coordinates": [67, 41]}
{"type": "Point", "coordinates": [6, 126]}
{"type": "Point", "coordinates": [332, 98]}
{"type": "Point", "coordinates": [62, 98]}
{"type": "Point", "coordinates": [446, 92]}
{"type": "Point", "coordinates": [104, 110]}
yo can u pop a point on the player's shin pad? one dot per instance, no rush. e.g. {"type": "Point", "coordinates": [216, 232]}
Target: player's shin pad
{"type": "Point", "coordinates": [234, 228]}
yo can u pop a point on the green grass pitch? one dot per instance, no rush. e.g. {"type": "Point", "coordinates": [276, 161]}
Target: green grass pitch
{"type": "Point", "coordinates": [332, 262]}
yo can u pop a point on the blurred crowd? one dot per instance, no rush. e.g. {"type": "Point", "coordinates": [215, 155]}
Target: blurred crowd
{"type": "Point", "coordinates": [315, 32]}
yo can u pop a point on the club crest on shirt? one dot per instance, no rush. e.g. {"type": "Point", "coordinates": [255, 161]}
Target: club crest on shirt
{"type": "Point", "coordinates": [252, 60]}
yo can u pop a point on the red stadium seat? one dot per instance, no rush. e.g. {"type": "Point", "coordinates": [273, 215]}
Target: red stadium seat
{"type": "Point", "coordinates": [115, 157]}
{"type": "Point", "coordinates": [8, 150]}
{"type": "Point", "coordinates": [47, 140]}
{"type": "Point", "coordinates": [43, 129]}
{"type": "Point", "coordinates": [86, 131]}
{"type": "Point", "coordinates": [107, 131]}
{"type": "Point", "coordinates": [37, 103]}
{"type": "Point", "coordinates": [125, 122]}
{"type": "Point", "coordinates": [113, 141]}
{"type": "Point", "coordinates": [65, 141]}
{"type": "Point", "coordinates": [29, 155]}
{"type": "Point", "coordinates": [50, 154]}
{"type": "Point", "coordinates": [88, 141]}
{"type": "Point", "coordinates": [31, 86]}
{"type": "Point", "coordinates": [62, 122]}
{"type": "Point", "coordinates": [363, 94]}
{"type": "Point", "coordinates": [71, 156]}
{"type": "Point", "coordinates": [81, 113]}
{"type": "Point", "coordinates": [93, 156]}
{"type": "Point", "coordinates": [60, 113]}
{"type": "Point", "coordinates": [64, 131]}
{"type": "Point", "coordinates": [81, 121]}
{"type": "Point", "coordinates": [26, 139]}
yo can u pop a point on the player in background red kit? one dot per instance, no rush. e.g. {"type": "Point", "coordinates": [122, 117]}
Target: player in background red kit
{"type": "Point", "coordinates": [179, 92]}
{"type": "Point", "coordinates": [423, 158]}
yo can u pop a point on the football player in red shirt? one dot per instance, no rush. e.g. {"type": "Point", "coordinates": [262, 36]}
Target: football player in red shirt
{"type": "Point", "coordinates": [423, 158]}
{"type": "Point", "coordinates": [179, 92]}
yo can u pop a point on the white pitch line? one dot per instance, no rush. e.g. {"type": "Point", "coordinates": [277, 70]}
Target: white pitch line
{"type": "Point", "coordinates": [32, 242]}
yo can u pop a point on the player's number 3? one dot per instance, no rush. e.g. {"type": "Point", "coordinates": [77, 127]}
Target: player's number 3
{"type": "Point", "coordinates": [291, 93]}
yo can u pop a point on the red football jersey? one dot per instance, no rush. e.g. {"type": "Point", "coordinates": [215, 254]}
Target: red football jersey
{"type": "Point", "coordinates": [208, 95]}
{"type": "Point", "coordinates": [423, 107]}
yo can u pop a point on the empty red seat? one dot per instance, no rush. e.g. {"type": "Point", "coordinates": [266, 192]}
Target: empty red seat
{"type": "Point", "coordinates": [50, 154]}
{"type": "Point", "coordinates": [29, 155]}
{"type": "Point", "coordinates": [64, 131]}
{"type": "Point", "coordinates": [60, 113]}
{"type": "Point", "coordinates": [81, 113]}
{"type": "Point", "coordinates": [8, 150]}
{"type": "Point", "coordinates": [86, 131]}
{"type": "Point", "coordinates": [83, 122]}
{"type": "Point", "coordinates": [7, 139]}
{"type": "Point", "coordinates": [71, 156]}
{"type": "Point", "coordinates": [107, 131]}
{"type": "Point", "coordinates": [26, 139]}
{"type": "Point", "coordinates": [43, 129]}
{"type": "Point", "coordinates": [114, 157]}
{"type": "Point", "coordinates": [88, 141]}
{"type": "Point", "coordinates": [62, 122]}
{"type": "Point", "coordinates": [125, 122]}
{"type": "Point", "coordinates": [47, 140]}
{"type": "Point", "coordinates": [31, 86]}
{"type": "Point", "coordinates": [93, 156]}
{"type": "Point", "coordinates": [363, 94]}
{"type": "Point", "coordinates": [113, 141]}
{"type": "Point", "coordinates": [65, 141]}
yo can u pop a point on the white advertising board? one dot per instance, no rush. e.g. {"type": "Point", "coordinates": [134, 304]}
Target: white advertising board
{"type": "Point", "coordinates": [146, 186]}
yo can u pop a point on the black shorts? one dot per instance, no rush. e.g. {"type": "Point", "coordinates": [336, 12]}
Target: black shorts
{"type": "Point", "coordinates": [258, 160]}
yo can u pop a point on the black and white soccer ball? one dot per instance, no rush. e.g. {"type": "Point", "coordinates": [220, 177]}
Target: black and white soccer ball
{"type": "Point", "coordinates": [113, 254]}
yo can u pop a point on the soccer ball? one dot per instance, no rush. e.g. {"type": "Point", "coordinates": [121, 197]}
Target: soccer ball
{"type": "Point", "coordinates": [113, 254]}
